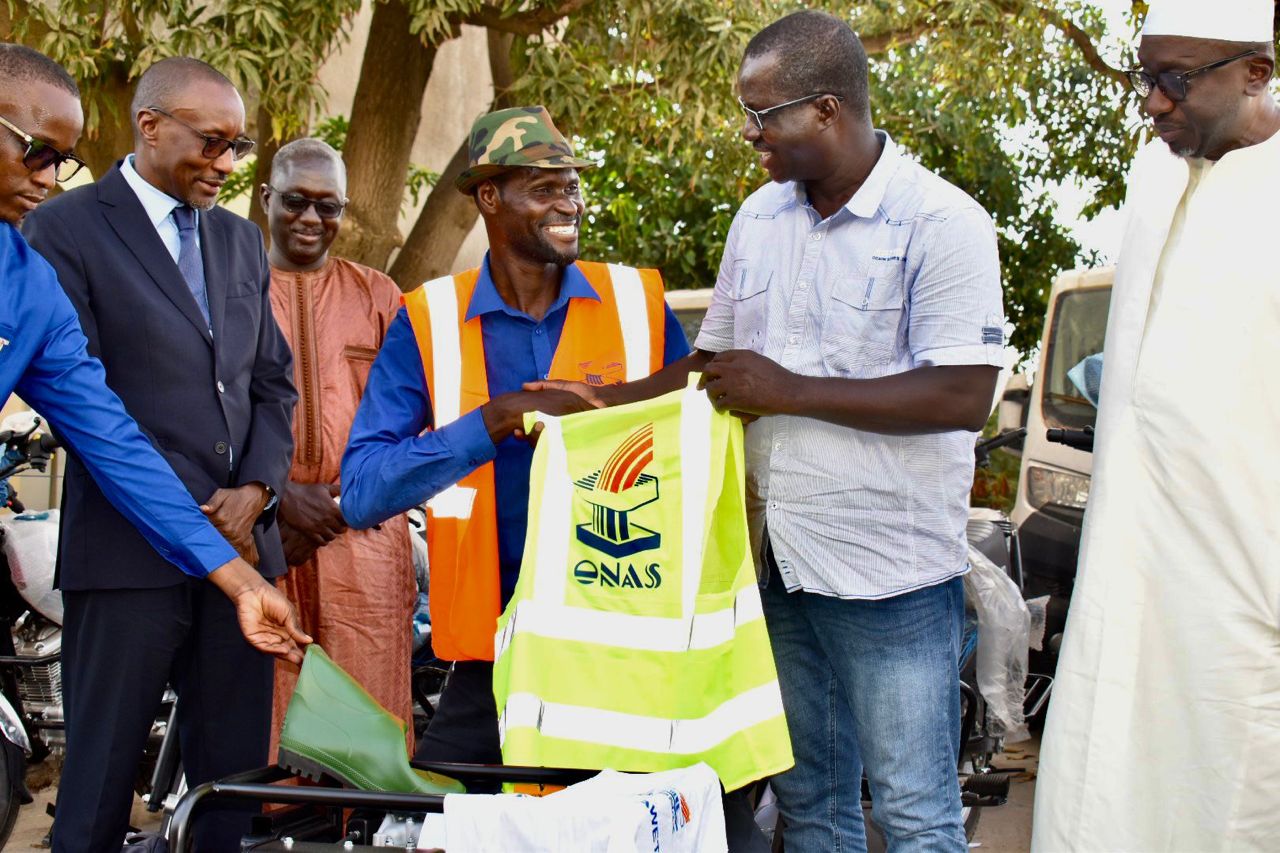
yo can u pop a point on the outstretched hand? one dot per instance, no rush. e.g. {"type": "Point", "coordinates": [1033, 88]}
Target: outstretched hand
{"type": "Point", "coordinates": [267, 619]}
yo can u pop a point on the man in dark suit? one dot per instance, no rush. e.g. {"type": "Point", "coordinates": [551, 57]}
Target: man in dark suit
{"type": "Point", "coordinates": [173, 296]}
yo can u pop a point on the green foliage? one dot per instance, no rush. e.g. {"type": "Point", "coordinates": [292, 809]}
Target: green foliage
{"type": "Point", "coordinates": [270, 48]}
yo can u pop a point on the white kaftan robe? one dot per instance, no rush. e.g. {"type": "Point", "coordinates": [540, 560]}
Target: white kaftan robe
{"type": "Point", "coordinates": [1164, 729]}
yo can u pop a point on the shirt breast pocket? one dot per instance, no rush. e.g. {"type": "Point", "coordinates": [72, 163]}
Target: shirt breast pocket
{"type": "Point", "coordinates": [359, 361]}
{"type": "Point", "coordinates": [862, 325]}
{"type": "Point", "coordinates": [750, 306]}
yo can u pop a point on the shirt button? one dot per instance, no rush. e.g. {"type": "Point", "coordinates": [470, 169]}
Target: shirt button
{"type": "Point", "coordinates": [804, 285]}
{"type": "Point", "coordinates": [794, 339]}
{"type": "Point", "coordinates": [816, 236]}
{"type": "Point", "coordinates": [537, 331]}
{"type": "Point", "coordinates": [777, 445]}
{"type": "Point", "coordinates": [220, 448]}
{"type": "Point", "coordinates": [221, 388]}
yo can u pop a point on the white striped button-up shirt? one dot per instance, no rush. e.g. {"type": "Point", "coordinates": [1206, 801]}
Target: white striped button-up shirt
{"type": "Point", "coordinates": [905, 275]}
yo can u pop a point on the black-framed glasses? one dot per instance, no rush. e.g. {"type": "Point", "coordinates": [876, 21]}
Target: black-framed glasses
{"type": "Point", "coordinates": [214, 146]}
{"type": "Point", "coordinates": [41, 155]}
{"type": "Point", "coordinates": [758, 116]}
{"type": "Point", "coordinates": [1174, 83]}
{"type": "Point", "coordinates": [298, 203]}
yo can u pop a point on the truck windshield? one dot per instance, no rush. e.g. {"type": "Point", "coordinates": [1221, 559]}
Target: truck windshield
{"type": "Point", "coordinates": [1079, 325]}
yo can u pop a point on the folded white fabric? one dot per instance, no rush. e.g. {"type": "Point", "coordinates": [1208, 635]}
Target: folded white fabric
{"type": "Point", "coordinates": [676, 811]}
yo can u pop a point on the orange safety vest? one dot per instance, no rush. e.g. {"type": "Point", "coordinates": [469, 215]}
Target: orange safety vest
{"type": "Point", "coordinates": [620, 338]}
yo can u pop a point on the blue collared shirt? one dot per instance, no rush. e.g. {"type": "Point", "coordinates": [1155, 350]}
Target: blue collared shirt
{"type": "Point", "coordinates": [394, 462]}
{"type": "Point", "coordinates": [905, 275]}
{"type": "Point", "coordinates": [44, 358]}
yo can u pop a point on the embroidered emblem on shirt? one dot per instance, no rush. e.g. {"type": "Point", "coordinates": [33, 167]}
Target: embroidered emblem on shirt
{"type": "Point", "coordinates": [992, 335]}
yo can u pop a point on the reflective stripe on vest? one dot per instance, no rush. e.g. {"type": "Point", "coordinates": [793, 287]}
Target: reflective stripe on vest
{"type": "Point", "coordinates": [635, 638]}
{"type": "Point", "coordinates": [620, 337]}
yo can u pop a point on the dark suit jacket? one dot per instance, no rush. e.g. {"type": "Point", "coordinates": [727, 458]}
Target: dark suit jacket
{"type": "Point", "coordinates": [218, 409]}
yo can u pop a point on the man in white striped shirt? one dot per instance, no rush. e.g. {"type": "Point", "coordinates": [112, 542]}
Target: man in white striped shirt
{"type": "Point", "coordinates": [857, 324]}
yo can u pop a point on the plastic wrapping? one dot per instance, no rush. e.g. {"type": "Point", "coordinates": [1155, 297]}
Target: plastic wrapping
{"type": "Point", "coordinates": [1004, 636]}
{"type": "Point", "coordinates": [31, 546]}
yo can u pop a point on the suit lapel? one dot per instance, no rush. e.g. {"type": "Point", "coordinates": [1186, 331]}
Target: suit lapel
{"type": "Point", "coordinates": [213, 246]}
{"type": "Point", "coordinates": [126, 215]}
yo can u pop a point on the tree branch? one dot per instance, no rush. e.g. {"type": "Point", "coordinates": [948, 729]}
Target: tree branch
{"type": "Point", "coordinates": [1084, 42]}
{"type": "Point", "coordinates": [526, 23]}
{"type": "Point", "coordinates": [878, 43]}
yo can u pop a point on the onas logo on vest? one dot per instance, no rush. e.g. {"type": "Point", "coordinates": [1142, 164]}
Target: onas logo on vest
{"type": "Point", "coordinates": [608, 374]}
{"type": "Point", "coordinates": [614, 491]}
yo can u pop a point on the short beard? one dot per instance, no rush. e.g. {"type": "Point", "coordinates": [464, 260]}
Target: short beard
{"type": "Point", "coordinates": [203, 204]}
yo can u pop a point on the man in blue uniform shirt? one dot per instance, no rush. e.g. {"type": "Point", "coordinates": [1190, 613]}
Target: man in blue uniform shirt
{"type": "Point", "coordinates": [43, 358]}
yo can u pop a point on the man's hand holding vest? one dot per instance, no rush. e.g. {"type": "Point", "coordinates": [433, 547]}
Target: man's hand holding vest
{"type": "Point", "coordinates": [747, 384]}
{"type": "Point", "coordinates": [504, 416]}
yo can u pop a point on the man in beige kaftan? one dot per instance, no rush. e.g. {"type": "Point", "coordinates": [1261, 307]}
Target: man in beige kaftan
{"type": "Point", "coordinates": [1164, 728]}
{"type": "Point", "coordinates": [354, 589]}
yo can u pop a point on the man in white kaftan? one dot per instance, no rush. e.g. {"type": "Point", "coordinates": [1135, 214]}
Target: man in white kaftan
{"type": "Point", "coordinates": [1164, 729]}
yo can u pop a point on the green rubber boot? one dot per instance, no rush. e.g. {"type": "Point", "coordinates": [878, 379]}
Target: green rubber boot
{"type": "Point", "coordinates": [335, 728]}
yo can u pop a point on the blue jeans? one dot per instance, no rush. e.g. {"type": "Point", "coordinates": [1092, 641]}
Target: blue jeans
{"type": "Point", "coordinates": [869, 685]}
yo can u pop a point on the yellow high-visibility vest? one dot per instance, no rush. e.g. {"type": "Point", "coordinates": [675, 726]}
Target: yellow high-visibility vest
{"type": "Point", "coordinates": [635, 638]}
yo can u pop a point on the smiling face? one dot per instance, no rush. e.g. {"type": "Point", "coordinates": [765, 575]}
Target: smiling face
{"type": "Point", "coordinates": [51, 115]}
{"type": "Point", "coordinates": [301, 241]}
{"type": "Point", "coordinates": [534, 213]}
{"type": "Point", "coordinates": [1212, 119]}
{"type": "Point", "coordinates": [789, 144]}
{"type": "Point", "coordinates": [169, 153]}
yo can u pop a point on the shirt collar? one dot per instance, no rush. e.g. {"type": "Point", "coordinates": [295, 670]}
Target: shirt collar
{"type": "Point", "coordinates": [866, 201]}
{"type": "Point", "coordinates": [157, 203]}
{"type": "Point", "coordinates": [486, 299]}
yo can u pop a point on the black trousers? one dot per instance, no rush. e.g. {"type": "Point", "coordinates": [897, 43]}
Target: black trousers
{"type": "Point", "coordinates": [120, 648]}
{"type": "Point", "coordinates": [465, 729]}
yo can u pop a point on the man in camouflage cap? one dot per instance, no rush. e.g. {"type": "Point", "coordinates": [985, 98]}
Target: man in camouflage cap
{"type": "Point", "coordinates": [520, 136]}
{"type": "Point", "coordinates": [534, 311]}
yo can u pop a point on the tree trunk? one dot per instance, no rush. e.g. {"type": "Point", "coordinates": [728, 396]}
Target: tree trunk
{"type": "Point", "coordinates": [112, 137]}
{"type": "Point", "coordinates": [384, 122]}
{"type": "Point", "coordinates": [266, 150]}
{"type": "Point", "coordinates": [448, 216]}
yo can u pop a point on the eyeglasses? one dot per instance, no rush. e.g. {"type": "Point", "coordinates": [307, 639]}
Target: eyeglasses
{"type": "Point", "coordinates": [1174, 83]}
{"type": "Point", "coordinates": [298, 203]}
{"type": "Point", "coordinates": [759, 115]}
{"type": "Point", "coordinates": [214, 146]}
{"type": "Point", "coordinates": [41, 155]}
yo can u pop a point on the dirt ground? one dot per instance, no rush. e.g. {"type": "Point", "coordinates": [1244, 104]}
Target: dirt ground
{"type": "Point", "coordinates": [1006, 829]}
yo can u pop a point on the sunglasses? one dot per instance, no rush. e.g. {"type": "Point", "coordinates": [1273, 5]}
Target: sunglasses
{"type": "Point", "coordinates": [214, 146]}
{"type": "Point", "coordinates": [41, 155]}
{"type": "Point", "coordinates": [758, 116]}
{"type": "Point", "coordinates": [1174, 83]}
{"type": "Point", "coordinates": [298, 203]}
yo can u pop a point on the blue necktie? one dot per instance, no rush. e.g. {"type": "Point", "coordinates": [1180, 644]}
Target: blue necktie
{"type": "Point", "coordinates": [190, 264]}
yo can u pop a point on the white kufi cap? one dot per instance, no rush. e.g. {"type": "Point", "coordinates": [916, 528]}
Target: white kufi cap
{"type": "Point", "coordinates": [1227, 20]}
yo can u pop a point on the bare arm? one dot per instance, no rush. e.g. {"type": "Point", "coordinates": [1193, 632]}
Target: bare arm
{"type": "Point", "coordinates": [926, 399]}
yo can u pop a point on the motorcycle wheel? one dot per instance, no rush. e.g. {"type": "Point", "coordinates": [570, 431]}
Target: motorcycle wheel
{"type": "Point", "coordinates": [13, 788]}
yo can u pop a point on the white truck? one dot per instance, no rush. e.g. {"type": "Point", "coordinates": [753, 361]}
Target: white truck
{"type": "Point", "coordinates": [1053, 484]}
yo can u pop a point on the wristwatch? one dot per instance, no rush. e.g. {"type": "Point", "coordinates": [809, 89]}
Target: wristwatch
{"type": "Point", "coordinates": [272, 498]}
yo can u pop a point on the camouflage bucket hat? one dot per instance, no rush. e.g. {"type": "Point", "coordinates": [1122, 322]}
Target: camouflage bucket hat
{"type": "Point", "coordinates": [520, 136]}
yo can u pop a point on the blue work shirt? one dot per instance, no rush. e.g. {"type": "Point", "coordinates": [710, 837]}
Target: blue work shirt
{"type": "Point", "coordinates": [391, 464]}
{"type": "Point", "coordinates": [43, 357]}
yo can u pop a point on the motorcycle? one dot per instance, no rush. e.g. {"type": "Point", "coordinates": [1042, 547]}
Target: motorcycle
{"type": "Point", "coordinates": [31, 712]}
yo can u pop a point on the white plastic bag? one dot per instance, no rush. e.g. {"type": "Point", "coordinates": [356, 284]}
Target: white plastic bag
{"type": "Point", "coordinates": [675, 811]}
{"type": "Point", "coordinates": [1004, 636]}
{"type": "Point", "coordinates": [31, 546]}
